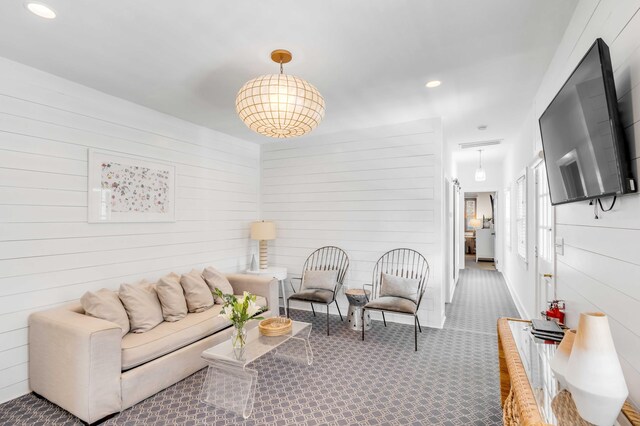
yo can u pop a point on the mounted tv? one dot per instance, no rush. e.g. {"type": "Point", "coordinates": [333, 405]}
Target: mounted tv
{"type": "Point", "coordinates": [583, 141]}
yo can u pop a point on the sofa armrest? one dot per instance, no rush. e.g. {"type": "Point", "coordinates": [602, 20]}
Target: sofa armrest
{"type": "Point", "coordinates": [75, 362]}
{"type": "Point", "coordinates": [266, 287]}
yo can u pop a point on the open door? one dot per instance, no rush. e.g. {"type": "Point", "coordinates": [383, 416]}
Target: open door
{"type": "Point", "coordinates": [545, 238]}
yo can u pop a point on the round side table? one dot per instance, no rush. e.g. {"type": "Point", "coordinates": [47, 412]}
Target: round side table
{"type": "Point", "coordinates": [357, 299]}
{"type": "Point", "coordinates": [279, 274]}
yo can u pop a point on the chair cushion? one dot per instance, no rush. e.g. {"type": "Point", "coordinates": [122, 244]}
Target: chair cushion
{"type": "Point", "coordinates": [215, 279]}
{"type": "Point", "coordinates": [323, 280]}
{"type": "Point", "coordinates": [170, 336]}
{"type": "Point", "coordinates": [313, 295]}
{"type": "Point", "coordinates": [391, 303]}
{"type": "Point", "coordinates": [171, 295]}
{"type": "Point", "coordinates": [142, 306]}
{"type": "Point", "coordinates": [105, 304]}
{"type": "Point", "coordinates": [393, 285]}
{"type": "Point", "coordinates": [196, 291]}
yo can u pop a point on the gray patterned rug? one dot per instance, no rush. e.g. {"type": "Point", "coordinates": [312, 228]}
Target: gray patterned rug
{"type": "Point", "coordinates": [451, 380]}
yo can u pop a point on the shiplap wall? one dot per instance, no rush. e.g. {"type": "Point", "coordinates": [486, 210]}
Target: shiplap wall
{"type": "Point", "coordinates": [365, 191]}
{"type": "Point", "coordinates": [50, 255]}
{"type": "Point", "coordinates": [601, 263]}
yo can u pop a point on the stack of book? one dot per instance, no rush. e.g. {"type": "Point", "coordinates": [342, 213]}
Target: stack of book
{"type": "Point", "coordinates": [547, 330]}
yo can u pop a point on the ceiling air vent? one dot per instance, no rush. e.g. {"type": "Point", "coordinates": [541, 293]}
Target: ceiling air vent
{"type": "Point", "coordinates": [480, 144]}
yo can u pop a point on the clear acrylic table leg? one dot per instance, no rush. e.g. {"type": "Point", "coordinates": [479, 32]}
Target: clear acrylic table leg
{"type": "Point", "coordinates": [230, 387]}
{"type": "Point", "coordinates": [296, 349]}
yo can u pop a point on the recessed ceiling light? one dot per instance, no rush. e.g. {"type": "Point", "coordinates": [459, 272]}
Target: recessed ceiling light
{"type": "Point", "coordinates": [482, 127]}
{"type": "Point", "coordinates": [40, 9]}
{"type": "Point", "coordinates": [433, 83]}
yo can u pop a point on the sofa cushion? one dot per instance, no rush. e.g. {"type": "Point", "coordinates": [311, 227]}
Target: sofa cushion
{"type": "Point", "coordinates": [142, 306]}
{"type": "Point", "coordinates": [170, 336]}
{"type": "Point", "coordinates": [105, 304]}
{"type": "Point", "coordinates": [215, 279]}
{"type": "Point", "coordinates": [196, 291]}
{"type": "Point", "coordinates": [171, 295]}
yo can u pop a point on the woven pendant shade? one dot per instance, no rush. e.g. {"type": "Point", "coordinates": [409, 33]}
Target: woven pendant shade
{"type": "Point", "coordinates": [280, 105]}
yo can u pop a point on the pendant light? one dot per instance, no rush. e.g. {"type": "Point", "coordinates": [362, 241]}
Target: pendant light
{"type": "Point", "coordinates": [280, 105]}
{"type": "Point", "coordinates": [481, 175]}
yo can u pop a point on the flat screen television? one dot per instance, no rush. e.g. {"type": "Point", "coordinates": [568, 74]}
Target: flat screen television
{"type": "Point", "coordinates": [583, 141]}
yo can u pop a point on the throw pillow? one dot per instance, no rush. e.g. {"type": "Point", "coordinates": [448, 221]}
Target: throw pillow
{"type": "Point", "coordinates": [196, 291]}
{"type": "Point", "coordinates": [215, 279]}
{"type": "Point", "coordinates": [142, 306]}
{"type": "Point", "coordinates": [393, 285]}
{"type": "Point", "coordinates": [322, 280]}
{"type": "Point", "coordinates": [106, 305]}
{"type": "Point", "coordinates": [171, 295]}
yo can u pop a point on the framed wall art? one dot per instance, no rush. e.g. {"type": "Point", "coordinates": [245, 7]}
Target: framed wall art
{"type": "Point", "coordinates": [127, 188]}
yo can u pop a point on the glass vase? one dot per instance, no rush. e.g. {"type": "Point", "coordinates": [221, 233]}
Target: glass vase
{"type": "Point", "coordinates": [239, 340]}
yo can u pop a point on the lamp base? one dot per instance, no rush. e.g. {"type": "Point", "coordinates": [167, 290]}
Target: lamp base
{"type": "Point", "coordinates": [263, 255]}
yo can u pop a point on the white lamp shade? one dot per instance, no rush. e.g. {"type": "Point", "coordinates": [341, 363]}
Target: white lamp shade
{"type": "Point", "coordinates": [263, 231]}
{"type": "Point", "coordinates": [280, 105]}
{"type": "Point", "coordinates": [481, 175]}
{"type": "Point", "coordinates": [593, 372]}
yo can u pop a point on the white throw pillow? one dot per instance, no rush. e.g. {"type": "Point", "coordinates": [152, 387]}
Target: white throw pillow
{"type": "Point", "coordinates": [393, 285]}
{"type": "Point", "coordinates": [171, 295]}
{"type": "Point", "coordinates": [196, 292]}
{"type": "Point", "coordinates": [321, 280]}
{"type": "Point", "coordinates": [105, 304]}
{"type": "Point", "coordinates": [142, 306]}
{"type": "Point", "coordinates": [215, 279]}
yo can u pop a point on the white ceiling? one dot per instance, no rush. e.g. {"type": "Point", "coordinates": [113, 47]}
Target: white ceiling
{"type": "Point", "coordinates": [369, 58]}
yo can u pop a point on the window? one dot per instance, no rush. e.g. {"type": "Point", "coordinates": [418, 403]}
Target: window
{"type": "Point", "coordinates": [507, 216]}
{"type": "Point", "coordinates": [521, 215]}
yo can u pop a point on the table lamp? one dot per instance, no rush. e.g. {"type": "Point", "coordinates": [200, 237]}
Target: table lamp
{"type": "Point", "coordinates": [263, 231]}
{"type": "Point", "coordinates": [475, 223]}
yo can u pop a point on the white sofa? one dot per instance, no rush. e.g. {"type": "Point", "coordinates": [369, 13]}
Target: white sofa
{"type": "Point", "coordinates": [85, 365]}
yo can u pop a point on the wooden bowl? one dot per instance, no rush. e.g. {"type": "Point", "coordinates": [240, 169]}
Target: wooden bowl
{"type": "Point", "coordinates": [276, 326]}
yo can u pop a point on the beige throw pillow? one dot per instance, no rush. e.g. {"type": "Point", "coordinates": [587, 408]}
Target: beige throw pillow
{"type": "Point", "coordinates": [142, 306]}
{"type": "Point", "coordinates": [393, 285]}
{"type": "Point", "coordinates": [106, 305]}
{"type": "Point", "coordinates": [171, 295]}
{"type": "Point", "coordinates": [196, 291]}
{"type": "Point", "coordinates": [215, 279]}
{"type": "Point", "coordinates": [322, 280]}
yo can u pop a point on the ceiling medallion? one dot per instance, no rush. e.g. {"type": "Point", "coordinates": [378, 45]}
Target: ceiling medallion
{"type": "Point", "coordinates": [280, 105]}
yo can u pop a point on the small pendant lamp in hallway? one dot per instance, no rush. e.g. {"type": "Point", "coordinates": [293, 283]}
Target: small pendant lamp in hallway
{"type": "Point", "coordinates": [481, 175]}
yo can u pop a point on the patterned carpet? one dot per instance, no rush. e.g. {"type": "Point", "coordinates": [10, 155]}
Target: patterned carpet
{"type": "Point", "coordinates": [451, 380]}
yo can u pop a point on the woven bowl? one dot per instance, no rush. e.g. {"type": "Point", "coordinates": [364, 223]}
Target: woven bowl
{"type": "Point", "coordinates": [275, 326]}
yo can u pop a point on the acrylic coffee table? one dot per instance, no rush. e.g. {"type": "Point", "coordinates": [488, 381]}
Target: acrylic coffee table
{"type": "Point", "coordinates": [231, 385]}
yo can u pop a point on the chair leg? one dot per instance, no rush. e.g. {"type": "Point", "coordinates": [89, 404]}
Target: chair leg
{"type": "Point", "coordinates": [362, 313]}
{"type": "Point", "coordinates": [415, 331]}
{"type": "Point", "coordinates": [337, 306]}
{"type": "Point", "coordinates": [288, 311]}
{"type": "Point", "coordinates": [314, 311]}
{"type": "Point", "coordinates": [419, 328]}
{"type": "Point", "coordinates": [327, 320]}
{"type": "Point", "coordinates": [383, 319]}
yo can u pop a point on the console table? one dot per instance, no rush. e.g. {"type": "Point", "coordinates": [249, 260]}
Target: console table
{"type": "Point", "coordinates": [529, 393]}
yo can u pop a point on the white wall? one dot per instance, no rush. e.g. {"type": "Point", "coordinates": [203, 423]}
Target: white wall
{"type": "Point", "coordinates": [49, 254]}
{"type": "Point", "coordinates": [483, 205]}
{"type": "Point", "coordinates": [601, 261]}
{"type": "Point", "coordinates": [365, 191]}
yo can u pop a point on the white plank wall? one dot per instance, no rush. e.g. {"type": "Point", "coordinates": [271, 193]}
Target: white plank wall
{"type": "Point", "coordinates": [50, 255]}
{"type": "Point", "coordinates": [367, 192]}
{"type": "Point", "coordinates": [601, 263]}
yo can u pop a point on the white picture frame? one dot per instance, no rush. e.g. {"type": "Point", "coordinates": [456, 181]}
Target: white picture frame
{"type": "Point", "coordinates": [129, 188]}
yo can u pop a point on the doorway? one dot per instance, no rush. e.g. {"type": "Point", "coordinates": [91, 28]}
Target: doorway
{"type": "Point", "coordinates": [480, 230]}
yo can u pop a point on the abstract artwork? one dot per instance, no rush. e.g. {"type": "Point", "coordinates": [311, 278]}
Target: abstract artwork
{"type": "Point", "coordinates": [130, 189]}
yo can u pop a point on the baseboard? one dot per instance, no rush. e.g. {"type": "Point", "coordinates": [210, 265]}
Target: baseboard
{"type": "Point", "coordinates": [375, 315]}
{"type": "Point", "coordinates": [516, 300]}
